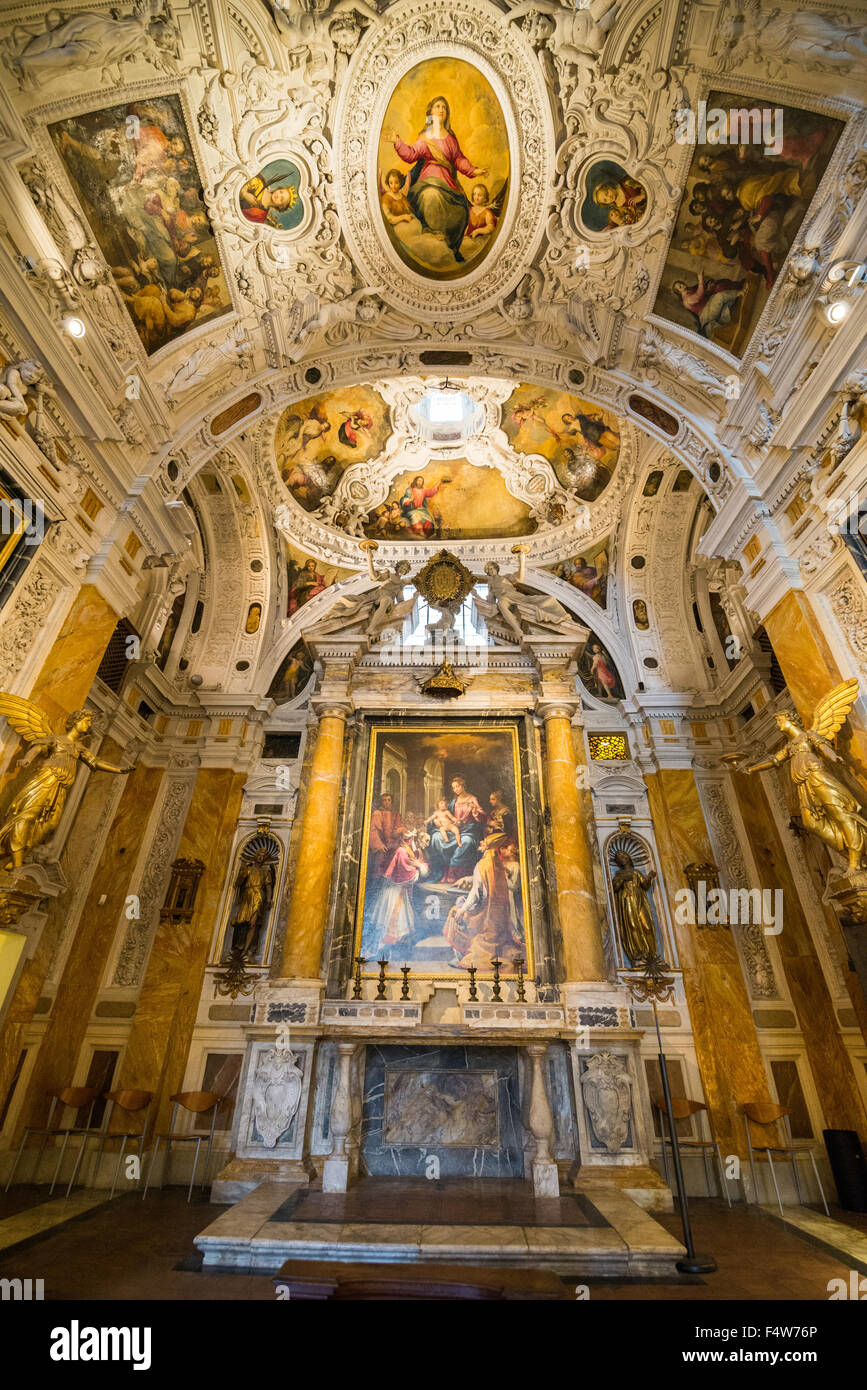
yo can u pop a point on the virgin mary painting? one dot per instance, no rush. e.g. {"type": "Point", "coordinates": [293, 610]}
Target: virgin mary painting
{"type": "Point", "coordinates": [439, 224]}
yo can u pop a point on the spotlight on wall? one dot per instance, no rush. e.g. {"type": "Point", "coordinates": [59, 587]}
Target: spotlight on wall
{"type": "Point", "coordinates": [837, 311]}
{"type": "Point", "coordinates": [74, 326]}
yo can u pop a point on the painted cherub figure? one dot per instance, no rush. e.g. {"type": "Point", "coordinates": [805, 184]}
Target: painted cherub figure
{"type": "Point", "coordinates": [445, 822]}
{"type": "Point", "coordinates": [393, 197]}
{"type": "Point", "coordinates": [483, 218]}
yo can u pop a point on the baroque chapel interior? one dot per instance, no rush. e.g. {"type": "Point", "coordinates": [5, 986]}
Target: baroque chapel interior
{"type": "Point", "coordinates": [433, 645]}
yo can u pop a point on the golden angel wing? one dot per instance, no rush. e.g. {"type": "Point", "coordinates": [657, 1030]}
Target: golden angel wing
{"type": "Point", "coordinates": [26, 719]}
{"type": "Point", "coordinates": [830, 713]}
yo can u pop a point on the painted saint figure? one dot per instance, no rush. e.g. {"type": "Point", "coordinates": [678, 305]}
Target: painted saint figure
{"type": "Point", "coordinates": [435, 195]}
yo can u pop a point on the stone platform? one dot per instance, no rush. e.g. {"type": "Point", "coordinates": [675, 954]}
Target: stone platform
{"type": "Point", "coordinates": [384, 1220]}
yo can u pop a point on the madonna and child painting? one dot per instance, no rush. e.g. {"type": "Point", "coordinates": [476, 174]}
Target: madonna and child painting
{"type": "Point", "coordinates": [444, 881]}
{"type": "Point", "coordinates": [443, 168]}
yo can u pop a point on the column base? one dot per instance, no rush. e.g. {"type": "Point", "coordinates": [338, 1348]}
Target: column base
{"type": "Point", "coordinates": [336, 1174]}
{"type": "Point", "coordinates": [546, 1180]}
{"type": "Point", "coordinates": [242, 1175]}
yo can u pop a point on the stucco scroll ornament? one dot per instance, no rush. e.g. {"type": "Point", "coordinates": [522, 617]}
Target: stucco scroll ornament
{"type": "Point", "coordinates": [92, 41]}
{"type": "Point", "coordinates": [608, 1097]}
{"type": "Point", "coordinates": [827, 807]}
{"type": "Point", "coordinates": [776, 38]}
{"type": "Point", "coordinates": [277, 1088]}
{"type": "Point", "coordinates": [34, 813]}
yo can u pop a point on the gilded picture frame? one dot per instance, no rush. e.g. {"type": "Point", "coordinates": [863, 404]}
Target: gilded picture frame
{"type": "Point", "coordinates": [443, 881]}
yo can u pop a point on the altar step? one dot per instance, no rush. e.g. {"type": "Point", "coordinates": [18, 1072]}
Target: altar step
{"type": "Point", "coordinates": [610, 1236]}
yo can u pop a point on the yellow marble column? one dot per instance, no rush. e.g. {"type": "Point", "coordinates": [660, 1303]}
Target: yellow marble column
{"type": "Point", "coordinates": [159, 1043]}
{"type": "Point", "coordinates": [82, 974]}
{"type": "Point", "coordinates": [577, 905]}
{"type": "Point", "coordinates": [724, 1032]}
{"type": "Point", "coordinates": [808, 665]}
{"type": "Point", "coordinates": [830, 1061]}
{"type": "Point", "coordinates": [314, 866]}
{"type": "Point", "coordinates": [61, 686]}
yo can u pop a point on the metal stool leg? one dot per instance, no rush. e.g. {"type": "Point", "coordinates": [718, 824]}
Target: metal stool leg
{"type": "Point", "coordinates": [723, 1181]}
{"type": "Point", "coordinates": [797, 1179]}
{"type": "Point", "coordinates": [818, 1181]}
{"type": "Point", "coordinates": [195, 1166]}
{"type": "Point", "coordinates": [78, 1158]}
{"type": "Point", "coordinates": [17, 1157]}
{"type": "Point", "coordinates": [117, 1167]}
{"type": "Point", "coordinates": [166, 1161]}
{"type": "Point", "coordinates": [59, 1163]}
{"type": "Point", "coordinates": [151, 1168]}
{"type": "Point", "coordinates": [774, 1176]}
{"type": "Point", "coordinates": [708, 1171]}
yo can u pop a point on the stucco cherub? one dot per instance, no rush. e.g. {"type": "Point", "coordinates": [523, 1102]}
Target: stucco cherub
{"type": "Point", "coordinates": [34, 813]}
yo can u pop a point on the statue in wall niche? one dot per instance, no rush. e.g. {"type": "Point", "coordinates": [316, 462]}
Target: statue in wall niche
{"type": "Point", "coordinates": [277, 1089]}
{"type": "Point", "coordinates": [634, 918]}
{"type": "Point", "coordinates": [255, 885]}
{"type": "Point", "coordinates": [826, 806]}
{"type": "Point", "coordinates": [608, 1098]}
{"type": "Point", "coordinates": [34, 813]}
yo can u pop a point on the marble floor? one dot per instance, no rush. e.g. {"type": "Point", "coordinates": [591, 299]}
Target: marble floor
{"type": "Point", "coordinates": [93, 1249]}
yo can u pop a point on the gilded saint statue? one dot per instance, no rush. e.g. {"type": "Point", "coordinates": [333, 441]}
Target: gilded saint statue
{"type": "Point", "coordinates": [34, 813]}
{"type": "Point", "coordinates": [826, 805]}
{"type": "Point", "coordinates": [255, 883]}
{"type": "Point", "coordinates": [634, 918]}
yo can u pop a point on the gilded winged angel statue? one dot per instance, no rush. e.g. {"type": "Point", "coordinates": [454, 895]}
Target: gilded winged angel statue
{"type": "Point", "coordinates": [827, 807]}
{"type": "Point", "coordinates": [33, 815]}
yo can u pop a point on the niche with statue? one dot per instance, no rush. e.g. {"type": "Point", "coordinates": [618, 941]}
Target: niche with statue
{"type": "Point", "coordinates": [633, 885]}
{"type": "Point", "coordinates": [252, 898]}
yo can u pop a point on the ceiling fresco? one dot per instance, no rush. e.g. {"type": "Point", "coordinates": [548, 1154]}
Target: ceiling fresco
{"type": "Point", "coordinates": [318, 438]}
{"type": "Point", "coordinates": [581, 441]}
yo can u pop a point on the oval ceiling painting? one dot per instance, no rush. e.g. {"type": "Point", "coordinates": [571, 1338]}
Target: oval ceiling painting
{"type": "Point", "coordinates": [443, 168]}
{"type": "Point", "coordinates": [318, 438]}
{"type": "Point", "coordinates": [580, 441]}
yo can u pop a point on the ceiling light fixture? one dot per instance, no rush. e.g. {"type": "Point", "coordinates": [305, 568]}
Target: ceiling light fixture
{"type": "Point", "coordinates": [74, 326]}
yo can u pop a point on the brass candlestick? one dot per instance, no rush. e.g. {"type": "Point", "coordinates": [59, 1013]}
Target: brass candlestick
{"type": "Point", "coordinates": [474, 993]}
{"type": "Point", "coordinates": [519, 991]}
{"type": "Point", "coordinates": [495, 989]}
{"type": "Point", "coordinates": [404, 992]}
{"type": "Point", "coordinates": [356, 988]}
{"type": "Point", "coordinates": [380, 988]}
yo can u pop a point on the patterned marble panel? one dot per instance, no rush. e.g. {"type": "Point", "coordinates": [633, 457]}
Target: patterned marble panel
{"type": "Point", "coordinates": [459, 1104]}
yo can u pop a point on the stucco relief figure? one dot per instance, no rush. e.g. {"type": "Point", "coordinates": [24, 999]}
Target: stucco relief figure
{"type": "Point", "coordinates": [93, 41]}
{"type": "Point", "coordinates": [519, 612]}
{"type": "Point", "coordinates": [608, 1099]}
{"type": "Point", "coordinates": [634, 918]}
{"type": "Point", "coordinates": [255, 883]}
{"type": "Point", "coordinates": [17, 381]}
{"type": "Point", "coordinates": [826, 805]}
{"type": "Point", "coordinates": [34, 813]}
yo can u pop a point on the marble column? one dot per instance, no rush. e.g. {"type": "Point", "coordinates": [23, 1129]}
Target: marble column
{"type": "Point", "coordinates": [724, 1032]}
{"type": "Point", "coordinates": [829, 1059]}
{"type": "Point", "coordinates": [546, 1179]}
{"type": "Point", "coordinates": [61, 686]}
{"type": "Point", "coordinates": [577, 905]}
{"type": "Point", "coordinates": [102, 910]}
{"type": "Point", "coordinates": [335, 1170]}
{"type": "Point", "coordinates": [314, 867]}
{"type": "Point", "coordinates": [159, 1042]}
{"type": "Point", "coordinates": [809, 665]}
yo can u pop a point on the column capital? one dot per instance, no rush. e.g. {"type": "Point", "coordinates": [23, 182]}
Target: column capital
{"type": "Point", "coordinates": [324, 708]}
{"type": "Point", "coordinates": [556, 708]}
